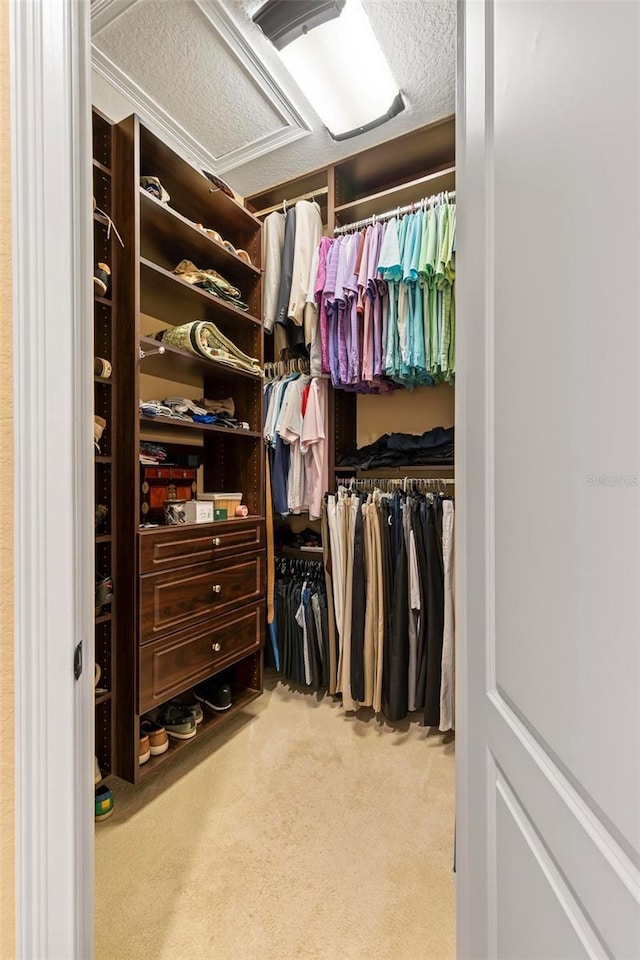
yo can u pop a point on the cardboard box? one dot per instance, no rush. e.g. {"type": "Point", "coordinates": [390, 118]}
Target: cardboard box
{"type": "Point", "coordinates": [198, 511]}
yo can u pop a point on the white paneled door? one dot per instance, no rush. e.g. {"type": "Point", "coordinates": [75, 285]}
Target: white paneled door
{"type": "Point", "coordinates": [549, 460]}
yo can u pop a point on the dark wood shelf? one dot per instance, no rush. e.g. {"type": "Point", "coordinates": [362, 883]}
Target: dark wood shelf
{"type": "Point", "coordinates": [399, 196]}
{"type": "Point", "coordinates": [209, 427]}
{"type": "Point", "coordinates": [298, 553]}
{"type": "Point", "coordinates": [104, 618]}
{"type": "Point", "coordinates": [395, 473]}
{"type": "Point", "coordinates": [105, 301]}
{"type": "Point", "coordinates": [167, 297]}
{"type": "Point", "coordinates": [105, 381]}
{"type": "Point", "coordinates": [100, 459]}
{"type": "Point", "coordinates": [101, 167]}
{"type": "Point", "coordinates": [212, 721]}
{"type": "Point", "coordinates": [191, 191]}
{"type": "Point", "coordinates": [173, 229]}
{"type": "Point", "coordinates": [104, 538]}
{"type": "Point", "coordinates": [205, 527]}
{"type": "Point", "coordinates": [187, 367]}
{"type": "Point", "coordinates": [103, 697]}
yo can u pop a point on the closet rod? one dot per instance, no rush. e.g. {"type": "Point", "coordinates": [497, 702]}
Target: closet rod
{"type": "Point", "coordinates": [278, 368]}
{"type": "Point", "coordinates": [311, 195]}
{"type": "Point", "coordinates": [397, 212]}
{"type": "Point", "coordinates": [387, 484]}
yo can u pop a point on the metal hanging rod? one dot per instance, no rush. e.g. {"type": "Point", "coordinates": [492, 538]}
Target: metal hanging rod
{"type": "Point", "coordinates": [311, 195]}
{"type": "Point", "coordinates": [388, 484]}
{"type": "Point", "coordinates": [442, 197]}
{"type": "Point", "coordinates": [279, 368]}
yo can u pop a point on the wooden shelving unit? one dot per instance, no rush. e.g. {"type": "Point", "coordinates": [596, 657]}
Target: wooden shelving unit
{"type": "Point", "coordinates": [157, 237]}
{"type": "Point", "coordinates": [105, 339]}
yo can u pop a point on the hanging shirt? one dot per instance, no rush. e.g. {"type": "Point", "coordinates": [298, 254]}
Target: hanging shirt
{"type": "Point", "coordinates": [307, 237]}
{"type": "Point", "coordinates": [290, 430]}
{"type": "Point", "coordinates": [313, 445]}
{"type": "Point", "coordinates": [272, 243]}
{"type": "Point", "coordinates": [321, 276]}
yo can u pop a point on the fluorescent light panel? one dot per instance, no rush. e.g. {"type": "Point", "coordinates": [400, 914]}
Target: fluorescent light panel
{"type": "Point", "coordinates": [342, 71]}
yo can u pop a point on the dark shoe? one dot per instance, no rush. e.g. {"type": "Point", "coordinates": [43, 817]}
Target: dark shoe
{"type": "Point", "coordinates": [214, 695]}
{"type": "Point", "coordinates": [177, 721]}
{"type": "Point", "coordinates": [192, 706]}
{"type": "Point", "coordinates": [101, 276]}
{"type": "Point", "coordinates": [104, 592]}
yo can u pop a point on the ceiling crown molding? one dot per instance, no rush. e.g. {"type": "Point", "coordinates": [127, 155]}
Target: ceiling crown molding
{"type": "Point", "coordinates": [104, 12]}
{"type": "Point", "coordinates": [151, 113]}
{"type": "Point", "coordinates": [294, 126]}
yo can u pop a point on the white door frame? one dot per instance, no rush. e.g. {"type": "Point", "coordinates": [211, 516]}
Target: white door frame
{"type": "Point", "coordinates": [54, 516]}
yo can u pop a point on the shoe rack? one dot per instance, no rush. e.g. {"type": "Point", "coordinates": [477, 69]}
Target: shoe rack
{"type": "Point", "coordinates": [191, 597]}
{"type": "Point", "coordinates": [105, 344]}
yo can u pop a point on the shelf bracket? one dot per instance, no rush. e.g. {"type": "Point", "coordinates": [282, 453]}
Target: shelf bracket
{"type": "Point", "coordinates": [149, 353]}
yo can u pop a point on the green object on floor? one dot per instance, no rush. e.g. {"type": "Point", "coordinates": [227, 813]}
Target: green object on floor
{"type": "Point", "coordinates": [104, 802]}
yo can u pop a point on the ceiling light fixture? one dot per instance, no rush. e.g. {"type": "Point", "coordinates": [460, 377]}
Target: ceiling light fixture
{"type": "Point", "coordinates": [332, 53]}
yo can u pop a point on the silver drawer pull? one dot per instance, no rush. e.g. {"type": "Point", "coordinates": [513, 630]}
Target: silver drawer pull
{"type": "Point", "coordinates": [216, 588]}
{"type": "Point", "coordinates": [216, 647]}
{"type": "Point", "coordinates": [216, 541]}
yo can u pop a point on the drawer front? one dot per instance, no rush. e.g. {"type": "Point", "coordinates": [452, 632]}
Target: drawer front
{"type": "Point", "coordinates": [183, 546]}
{"type": "Point", "coordinates": [179, 598]}
{"type": "Point", "coordinates": [171, 665]}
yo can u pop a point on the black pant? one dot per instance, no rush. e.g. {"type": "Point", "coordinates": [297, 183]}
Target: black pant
{"type": "Point", "coordinates": [399, 640]}
{"type": "Point", "coordinates": [419, 524]}
{"type": "Point", "coordinates": [435, 623]}
{"type": "Point", "coordinates": [387, 578]}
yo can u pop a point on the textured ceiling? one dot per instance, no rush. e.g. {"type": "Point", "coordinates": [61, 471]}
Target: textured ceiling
{"type": "Point", "coordinates": [237, 105]}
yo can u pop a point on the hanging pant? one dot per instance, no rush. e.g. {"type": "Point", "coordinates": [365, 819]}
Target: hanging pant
{"type": "Point", "coordinates": [435, 569]}
{"type": "Point", "coordinates": [399, 640]}
{"type": "Point", "coordinates": [358, 604]}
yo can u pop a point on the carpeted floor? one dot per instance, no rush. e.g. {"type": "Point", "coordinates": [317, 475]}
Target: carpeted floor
{"type": "Point", "coordinates": [296, 833]}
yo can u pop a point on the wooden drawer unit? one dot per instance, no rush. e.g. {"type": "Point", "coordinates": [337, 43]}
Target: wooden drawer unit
{"type": "Point", "coordinates": [189, 595]}
{"type": "Point", "coordinates": [196, 543]}
{"type": "Point", "coordinates": [171, 665]}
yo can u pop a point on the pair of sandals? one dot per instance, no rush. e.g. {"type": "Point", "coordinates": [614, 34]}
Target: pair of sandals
{"type": "Point", "coordinates": [214, 235]}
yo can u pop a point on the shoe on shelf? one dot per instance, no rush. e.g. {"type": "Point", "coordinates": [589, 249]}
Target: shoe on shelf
{"type": "Point", "coordinates": [99, 423]}
{"type": "Point", "coordinates": [101, 514]}
{"type": "Point", "coordinates": [214, 694]}
{"type": "Point", "coordinates": [144, 750]}
{"type": "Point", "coordinates": [104, 803]}
{"type": "Point", "coordinates": [177, 721]}
{"type": "Point", "coordinates": [97, 773]}
{"type": "Point", "coordinates": [104, 592]}
{"type": "Point", "coordinates": [101, 368]}
{"type": "Point", "coordinates": [101, 279]}
{"type": "Point", "coordinates": [192, 705]}
{"type": "Point", "coordinates": [156, 735]}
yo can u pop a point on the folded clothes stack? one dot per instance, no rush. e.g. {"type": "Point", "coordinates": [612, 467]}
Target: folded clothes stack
{"type": "Point", "coordinates": [404, 450]}
{"type": "Point", "coordinates": [205, 339]}
{"type": "Point", "coordinates": [306, 539]}
{"type": "Point", "coordinates": [211, 281]}
{"type": "Point", "coordinates": [184, 409]}
{"type": "Point", "coordinates": [152, 454]}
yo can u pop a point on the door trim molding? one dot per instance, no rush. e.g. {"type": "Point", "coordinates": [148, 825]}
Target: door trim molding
{"type": "Point", "coordinates": [53, 559]}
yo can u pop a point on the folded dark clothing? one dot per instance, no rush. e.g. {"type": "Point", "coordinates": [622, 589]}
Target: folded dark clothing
{"type": "Point", "coordinates": [408, 442]}
{"type": "Point", "coordinates": [403, 450]}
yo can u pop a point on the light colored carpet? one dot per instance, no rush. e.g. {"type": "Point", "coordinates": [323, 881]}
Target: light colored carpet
{"type": "Point", "coordinates": [298, 833]}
